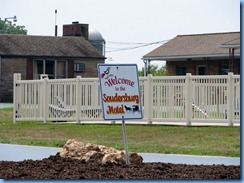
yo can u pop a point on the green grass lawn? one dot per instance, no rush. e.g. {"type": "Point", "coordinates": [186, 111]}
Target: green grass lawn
{"type": "Point", "coordinates": [216, 141]}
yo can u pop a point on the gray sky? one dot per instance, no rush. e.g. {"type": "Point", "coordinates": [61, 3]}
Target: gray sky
{"type": "Point", "coordinates": [127, 21]}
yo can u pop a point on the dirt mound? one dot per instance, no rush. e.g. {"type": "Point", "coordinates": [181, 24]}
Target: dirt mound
{"type": "Point", "coordinates": [56, 167]}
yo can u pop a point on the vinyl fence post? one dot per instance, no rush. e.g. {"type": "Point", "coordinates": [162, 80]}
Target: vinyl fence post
{"type": "Point", "coordinates": [188, 101]}
{"type": "Point", "coordinates": [230, 99]}
{"type": "Point", "coordinates": [78, 99]}
{"type": "Point", "coordinates": [150, 99]}
{"type": "Point", "coordinates": [17, 77]}
{"type": "Point", "coordinates": [45, 99]}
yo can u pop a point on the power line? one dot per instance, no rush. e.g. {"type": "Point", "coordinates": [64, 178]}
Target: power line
{"type": "Point", "coordinates": [115, 42]}
{"type": "Point", "coordinates": [131, 43]}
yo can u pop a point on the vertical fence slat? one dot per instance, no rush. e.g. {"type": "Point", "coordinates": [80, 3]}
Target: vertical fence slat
{"type": "Point", "coordinates": [78, 99]}
{"type": "Point", "coordinates": [16, 96]}
{"type": "Point", "coordinates": [230, 99]}
{"type": "Point", "coordinates": [149, 99]}
{"type": "Point", "coordinates": [45, 99]}
{"type": "Point", "coordinates": [188, 101]}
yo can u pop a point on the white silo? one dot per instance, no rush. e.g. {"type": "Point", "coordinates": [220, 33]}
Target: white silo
{"type": "Point", "coordinates": [96, 39]}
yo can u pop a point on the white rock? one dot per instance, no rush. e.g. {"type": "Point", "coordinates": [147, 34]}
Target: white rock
{"type": "Point", "coordinates": [97, 153]}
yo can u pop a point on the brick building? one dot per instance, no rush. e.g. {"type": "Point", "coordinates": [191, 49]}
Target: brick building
{"type": "Point", "coordinates": [199, 54]}
{"type": "Point", "coordinates": [59, 57]}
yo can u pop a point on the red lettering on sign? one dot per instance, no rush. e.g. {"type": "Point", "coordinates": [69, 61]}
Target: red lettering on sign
{"type": "Point", "coordinates": [116, 110]}
{"type": "Point", "coordinates": [115, 81]}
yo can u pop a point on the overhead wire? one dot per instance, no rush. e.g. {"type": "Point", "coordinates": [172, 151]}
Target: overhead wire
{"type": "Point", "coordinates": [138, 45]}
{"type": "Point", "coordinates": [115, 42]}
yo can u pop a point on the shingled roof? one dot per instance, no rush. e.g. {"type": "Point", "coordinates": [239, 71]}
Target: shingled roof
{"type": "Point", "coordinates": [235, 43]}
{"type": "Point", "coordinates": [47, 46]}
{"type": "Point", "coordinates": [194, 46]}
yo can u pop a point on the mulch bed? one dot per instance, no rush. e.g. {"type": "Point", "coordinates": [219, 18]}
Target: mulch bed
{"type": "Point", "coordinates": [56, 167]}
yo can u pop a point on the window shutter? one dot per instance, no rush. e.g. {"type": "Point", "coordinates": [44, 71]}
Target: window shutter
{"type": "Point", "coordinates": [70, 68]}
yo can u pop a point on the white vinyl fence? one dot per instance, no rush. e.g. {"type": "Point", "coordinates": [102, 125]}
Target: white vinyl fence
{"type": "Point", "coordinates": [186, 99]}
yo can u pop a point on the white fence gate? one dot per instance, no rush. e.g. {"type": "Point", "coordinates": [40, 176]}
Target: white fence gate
{"type": "Point", "coordinates": [186, 99]}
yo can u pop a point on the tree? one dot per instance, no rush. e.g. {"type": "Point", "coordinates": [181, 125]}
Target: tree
{"type": "Point", "coordinates": [155, 70]}
{"type": "Point", "coordinates": [9, 28]}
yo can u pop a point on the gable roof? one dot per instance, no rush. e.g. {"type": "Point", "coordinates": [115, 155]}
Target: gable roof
{"type": "Point", "coordinates": [194, 46]}
{"type": "Point", "coordinates": [47, 46]}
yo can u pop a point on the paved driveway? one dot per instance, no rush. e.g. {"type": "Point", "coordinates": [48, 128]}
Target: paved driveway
{"type": "Point", "coordinates": [4, 105]}
{"type": "Point", "coordinates": [9, 152]}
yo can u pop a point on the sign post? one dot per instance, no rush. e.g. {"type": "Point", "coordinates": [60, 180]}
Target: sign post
{"type": "Point", "coordinates": [125, 141]}
{"type": "Point", "coordinates": [120, 94]}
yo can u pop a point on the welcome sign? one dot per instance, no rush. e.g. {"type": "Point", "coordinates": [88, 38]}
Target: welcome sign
{"type": "Point", "coordinates": [120, 91]}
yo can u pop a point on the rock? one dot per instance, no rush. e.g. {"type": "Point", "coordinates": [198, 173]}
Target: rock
{"type": "Point", "coordinates": [73, 149]}
{"type": "Point", "coordinates": [93, 156]}
{"type": "Point", "coordinates": [114, 158]}
{"type": "Point", "coordinates": [97, 153]}
{"type": "Point", "coordinates": [135, 158]}
{"type": "Point", "coordinates": [91, 147]}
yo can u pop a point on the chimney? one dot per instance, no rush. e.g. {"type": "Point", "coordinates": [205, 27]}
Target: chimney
{"type": "Point", "coordinates": [56, 27]}
{"type": "Point", "coordinates": [76, 29]}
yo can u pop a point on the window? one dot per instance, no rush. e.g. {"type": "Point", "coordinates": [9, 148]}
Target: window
{"type": "Point", "coordinates": [180, 71]}
{"type": "Point", "coordinates": [200, 70]}
{"type": "Point", "coordinates": [53, 68]}
{"type": "Point", "coordinates": [79, 67]}
{"type": "Point", "coordinates": [61, 69]}
{"type": "Point", "coordinates": [223, 69]}
{"type": "Point", "coordinates": [50, 68]}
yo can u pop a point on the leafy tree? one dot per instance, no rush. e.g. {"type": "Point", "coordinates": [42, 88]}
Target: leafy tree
{"type": "Point", "coordinates": [155, 70]}
{"type": "Point", "coordinates": [9, 28]}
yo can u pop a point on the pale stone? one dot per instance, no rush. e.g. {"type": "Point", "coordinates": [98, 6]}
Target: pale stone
{"type": "Point", "coordinates": [97, 153]}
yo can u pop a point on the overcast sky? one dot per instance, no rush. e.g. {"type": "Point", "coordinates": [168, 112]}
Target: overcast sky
{"type": "Point", "coordinates": [127, 21]}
